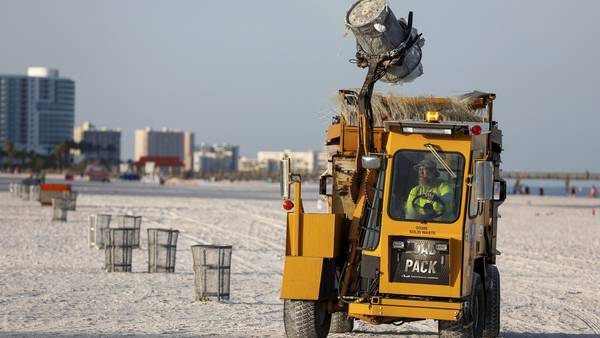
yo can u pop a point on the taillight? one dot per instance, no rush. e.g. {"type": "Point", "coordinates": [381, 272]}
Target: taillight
{"type": "Point", "coordinates": [476, 130]}
{"type": "Point", "coordinates": [288, 205]}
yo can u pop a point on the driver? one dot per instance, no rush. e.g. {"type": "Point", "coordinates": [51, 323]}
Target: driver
{"type": "Point", "coordinates": [431, 198]}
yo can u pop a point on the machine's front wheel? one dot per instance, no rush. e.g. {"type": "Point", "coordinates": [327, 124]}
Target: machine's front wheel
{"type": "Point", "coordinates": [471, 322]}
{"type": "Point", "coordinates": [492, 300]}
{"type": "Point", "coordinates": [305, 319]}
{"type": "Point", "coordinates": [341, 323]}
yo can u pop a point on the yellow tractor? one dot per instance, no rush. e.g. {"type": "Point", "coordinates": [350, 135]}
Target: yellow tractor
{"type": "Point", "coordinates": [410, 232]}
{"type": "Point", "coordinates": [413, 188]}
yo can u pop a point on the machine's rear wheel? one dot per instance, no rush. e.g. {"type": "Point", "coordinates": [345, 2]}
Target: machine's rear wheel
{"type": "Point", "coordinates": [492, 302]}
{"type": "Point", "coordinates": [305, 319]}
{"type": "Point", "coordinates": [470, 324]}
{"type": "Point", "coordinates": [341, 323]}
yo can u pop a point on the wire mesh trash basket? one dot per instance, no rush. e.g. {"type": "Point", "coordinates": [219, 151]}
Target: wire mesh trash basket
{"type": "Point", "coordinates": [118, 249]}
{"type": "Point", "coordinates": [162, 247]}
{"type": "Point", "coordinates": [59, 212]}
{"type": "Point", "coordinates": [34, 193]}
{"type": "Point", "coordinates": [16, 190]}
{"type": "Point", "coordinates": [133, 222]}
{"type": "Point", "coordinates": [24, 193]}
{"type": "Point", "coordinates": [70, 198]}
{"type": "Point", "coordinates": [212, 270]}
{"type": "Point", "coordinates": [97, 222]}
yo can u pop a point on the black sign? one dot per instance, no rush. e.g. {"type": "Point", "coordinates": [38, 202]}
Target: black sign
{"type": "Point", "coordinates": [416, 260]}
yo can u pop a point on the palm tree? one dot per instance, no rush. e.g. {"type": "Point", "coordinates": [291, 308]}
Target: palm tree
{"type": "Point", "coordinates": [11, 152]}
{"type": "Point", "coordinates": [60, 151]}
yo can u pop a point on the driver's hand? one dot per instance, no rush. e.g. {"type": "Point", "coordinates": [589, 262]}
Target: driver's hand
{"type": "Point", "coordinates": [432, 196]}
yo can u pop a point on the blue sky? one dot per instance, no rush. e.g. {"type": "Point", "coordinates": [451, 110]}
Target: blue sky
{"type": "Point", "coordinates": [262, 74]}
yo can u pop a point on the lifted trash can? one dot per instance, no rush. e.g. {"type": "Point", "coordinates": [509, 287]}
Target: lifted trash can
{"type": "Point", "coordinates": [133, 222]}
{"type": "Point", "coordinates": [212, 270]}
{"type": "Point", "coordinates": [97, 222]}
{"type": "Point", "coordinates": [59, 212]}
{"type": "Point", "coordinates": [118, 249]}
{"type": "Point", "coordinates": [162, 247]}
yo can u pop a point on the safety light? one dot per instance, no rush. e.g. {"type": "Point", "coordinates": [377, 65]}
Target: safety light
{"type": "Point", "coordinates": [476, 130]}
{"type": "Point", "coordinates": [435, 131]}
{"type": "Point", "coordinates": [432, 116]}
{"type": "Point", "coordinates": [288, 205]}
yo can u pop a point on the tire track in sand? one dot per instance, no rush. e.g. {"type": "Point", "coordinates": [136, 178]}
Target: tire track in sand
{"type": "Point", "coordinates": [590, 319]}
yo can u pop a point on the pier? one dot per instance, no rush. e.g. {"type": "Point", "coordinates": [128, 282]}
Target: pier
{"type": "Point", "coordinates": [541, 175]}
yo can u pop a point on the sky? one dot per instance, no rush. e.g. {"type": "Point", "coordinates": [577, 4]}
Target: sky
{"type": "Point", "coordinates": [263, 74]}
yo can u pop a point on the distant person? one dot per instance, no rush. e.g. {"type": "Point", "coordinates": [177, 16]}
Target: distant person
{"type": "Point", "coordinates": [527, 190]}
{"type": "Point", "coordinates": [431, 198]}
{"type": "Point", "coordinates": [573, 192]}
{"type": "Point", "coordinates": [541, 191]}
{"type": "Point", "coordinates": [593, 192]}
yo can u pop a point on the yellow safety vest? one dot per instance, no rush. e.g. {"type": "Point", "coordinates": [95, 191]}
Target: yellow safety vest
{"type": "Point", "coordinates": [441, 189]}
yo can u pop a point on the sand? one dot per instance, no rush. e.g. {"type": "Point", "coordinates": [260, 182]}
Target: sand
{"type": "Point", "coordinates": [53, 284]}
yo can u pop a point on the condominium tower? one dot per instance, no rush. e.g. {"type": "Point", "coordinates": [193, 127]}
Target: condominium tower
{"type": "Point", "coordinates": [37, 110]}
{"type": "Point", "coordinates": [165, 143]}
{"type": "Point", "coordinates": [101, 144]}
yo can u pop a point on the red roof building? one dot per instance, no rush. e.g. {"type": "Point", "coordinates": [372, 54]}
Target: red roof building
{"type": "Point", "coordinates": [163, 165]}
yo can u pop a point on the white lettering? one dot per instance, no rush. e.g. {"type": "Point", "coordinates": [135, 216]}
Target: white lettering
{"type": "Point", "coordinates": [432, 266]}
{"type": "Point", "coordinates": [416, 267]}
{"type": "Point", "coordinates": [424, 267]}
{"type": "Point", "coordinates": [409, 263]}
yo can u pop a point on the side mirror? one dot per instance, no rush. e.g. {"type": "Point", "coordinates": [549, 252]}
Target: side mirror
{"type": "Point", "coordinates": [371, 162]}
{"type": "Point", "coordinates": [484, 180]}
{"type": "Point", "coordinates": [285, 174]}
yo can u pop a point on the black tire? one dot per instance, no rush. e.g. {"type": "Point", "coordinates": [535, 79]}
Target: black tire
{"type": "Point", "coordinates": [305, 319]}
{"type": "Point", "coordinates": [341, 323]}
{"type": "Point", "coordinates": [470, 324]}
{"type": "Point", "coordinates": [492, 302]}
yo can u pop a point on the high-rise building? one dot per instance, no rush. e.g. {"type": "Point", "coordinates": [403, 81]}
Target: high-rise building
{"type": "Point", "coordinates": [305, 162]}
{"type": "Point", "coordinates": [217, 158]}
{"type": "Point", "coordinates": [98, 143]}
{"type": "Point", "coordinates": [165, 143]}
{"type": "Point", "coordinates": [37, 110]}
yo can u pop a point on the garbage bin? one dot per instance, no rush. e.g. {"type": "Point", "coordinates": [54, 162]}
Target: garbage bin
{"type": "Point", "coordinates": [133, 222]}
{"type": "Point", "coordinates": [59, 212]}
{"type": "Point", "coordinates": [162, 246]}
{"type": "Point", "coordinates": [118, 249]}
{"type": "Point", "coordinates": [97, 222]}
{"type": "Point", "coordinates": [24, 194]}
{"type": "Point", "coordinates": [212, 269]}
{"type": "Point", "coordinates": [34, 193]}
{"type": "Point", "coordinates": [70, 198]}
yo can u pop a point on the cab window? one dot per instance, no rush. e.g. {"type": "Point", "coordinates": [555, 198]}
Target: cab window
{"type": "Point", "coordinates": [422, 189]}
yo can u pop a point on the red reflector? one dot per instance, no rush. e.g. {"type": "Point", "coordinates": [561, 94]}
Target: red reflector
{"type": "Point", "coordinates": [288, 205]}
{"type": "Point", "coordinates": [476, 130]}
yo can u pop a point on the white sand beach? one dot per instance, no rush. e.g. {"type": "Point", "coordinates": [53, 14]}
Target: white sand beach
{"type": "Point", "coordinates": [52, 284]}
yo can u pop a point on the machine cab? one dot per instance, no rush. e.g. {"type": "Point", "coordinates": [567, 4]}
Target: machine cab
{"type": "Point", "coordinates": [421, 249]}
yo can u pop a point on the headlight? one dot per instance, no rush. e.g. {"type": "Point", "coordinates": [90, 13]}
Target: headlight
{"type": "Point", "coordinates": [398, 245]}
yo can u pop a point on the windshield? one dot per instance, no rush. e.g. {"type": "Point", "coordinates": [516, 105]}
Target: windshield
{"type": "Point", "coordinates": [422, 189]}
